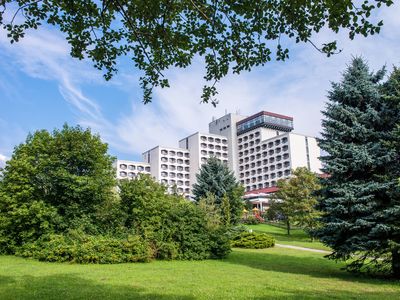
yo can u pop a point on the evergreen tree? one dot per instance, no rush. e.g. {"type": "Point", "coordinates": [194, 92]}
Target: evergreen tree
{"type": "Point", "coordinates": [215, 178]}
{"type": "Point", "coordinates": [360, 199]}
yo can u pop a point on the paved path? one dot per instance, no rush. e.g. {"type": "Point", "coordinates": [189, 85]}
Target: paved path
{"type": "Point", "coordinates": [302, 248]}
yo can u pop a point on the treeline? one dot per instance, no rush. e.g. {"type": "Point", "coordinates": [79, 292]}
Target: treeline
{"type": "Point", "coordinates": [60, 201]}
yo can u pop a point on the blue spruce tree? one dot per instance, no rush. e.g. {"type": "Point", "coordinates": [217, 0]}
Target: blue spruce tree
{"type": "Point", "coordinates": [360, 199]}
{"type": "Point", "coordinates": [215, 178]}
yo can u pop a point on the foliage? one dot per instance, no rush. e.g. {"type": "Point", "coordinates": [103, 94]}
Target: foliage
{"type": "Point", "coordinates": [53, 181]}
{"type": "Point", "coordinates": [295, 199]}
{"type": "Point", "coordinates": [24, 223]}
{"type": "Point", "coordinates": [251, 220]}
{"type": "Point", "coordinates": [215, 178]}
{"type": "Point", "coordinates": [175, 227]}
{"type": "Point", "coordinates": [78, 247]}
{"type": "Point", "coordinates": [253, 240]}
{"type": "Point", "coordinates": [360, 198]}
{"type": "Point", "coordinates": [158, 35]}
{"type": "Point", "coordinates": [59, 202]}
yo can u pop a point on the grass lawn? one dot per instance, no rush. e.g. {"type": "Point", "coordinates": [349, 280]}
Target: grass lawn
{"type": "Point", "coordinates": [297, 236]}
{"type": "Point", "coordinates": [275, 273]}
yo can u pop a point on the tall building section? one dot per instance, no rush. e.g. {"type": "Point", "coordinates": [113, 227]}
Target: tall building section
{"type": "Point", "coordinates": [202, 146]}
{"type": "Point", "coordinates": [170, 166]}
{"type": "Point", "coordinates": [259, 149]}
{"type": "Point", "coordinates": [226, 126]}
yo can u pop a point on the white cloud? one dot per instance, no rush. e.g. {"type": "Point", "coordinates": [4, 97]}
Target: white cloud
{"type": "Point", "coordinates": [3, 160]}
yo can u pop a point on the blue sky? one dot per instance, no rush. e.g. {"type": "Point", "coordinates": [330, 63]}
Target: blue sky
{"type": "Point", "coordinates": [42, 87]}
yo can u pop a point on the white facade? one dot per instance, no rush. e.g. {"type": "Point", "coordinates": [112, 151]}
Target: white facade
{"type": "Point", "coordinates": [202, 146]}
{"type": "Point", "coordinates": [260, 150]}
{"type": "Point", "coordinates": [130, 169]}
{"type": "Point", "coordinates": [226, 126]}
{"type": "Point", "coordinates": [170, 166]}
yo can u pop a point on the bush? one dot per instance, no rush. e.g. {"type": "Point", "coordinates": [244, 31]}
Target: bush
{"type": "Point", "coordinates": [81, 248]}
{"type": "Point", "coordinates": [253, 240]}
{"type": "Point", "coordinates": [175, 227]}
{"type": "Point", "coordinates": [252, 220]}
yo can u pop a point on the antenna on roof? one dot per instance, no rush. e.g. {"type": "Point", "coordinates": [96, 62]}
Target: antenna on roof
{"type": "Point", "coordinates": [226, 111]}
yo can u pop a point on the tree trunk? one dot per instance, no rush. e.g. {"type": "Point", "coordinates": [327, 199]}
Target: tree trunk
{"type": "Point", "coordinates": [396, 263]}
{"type": "Point", "coordinates": [288, 227]}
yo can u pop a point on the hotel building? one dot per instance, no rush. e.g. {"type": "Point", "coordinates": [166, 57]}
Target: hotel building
{"type": "Point", "coordinates": [259, 149]}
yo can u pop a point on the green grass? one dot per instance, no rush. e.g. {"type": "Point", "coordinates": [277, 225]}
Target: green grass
{"type": "Point", "coordinates": [297, 237]}
{"type": "Point", "coordinates": [274, 273]}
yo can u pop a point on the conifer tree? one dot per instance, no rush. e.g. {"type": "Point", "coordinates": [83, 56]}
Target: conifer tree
{"type": "Point", "coordinates": [360, 199]}
{"type": "Point", "coordinates": [215, 178]}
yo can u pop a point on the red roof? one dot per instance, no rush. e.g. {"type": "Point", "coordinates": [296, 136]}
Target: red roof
{"type": "Point", "coordinates": [267, 113]}
{"type": "Point", "coordinates": [263, 191]}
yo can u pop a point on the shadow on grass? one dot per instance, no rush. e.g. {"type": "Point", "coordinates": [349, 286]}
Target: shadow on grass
{"type": "Point", "coordinates": [314, 266]}
{"type": "Point", "coordinates": [73, 287]}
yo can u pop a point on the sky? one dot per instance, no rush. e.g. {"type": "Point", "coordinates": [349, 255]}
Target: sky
{"type": "Point", "coordinates": [42, 87]}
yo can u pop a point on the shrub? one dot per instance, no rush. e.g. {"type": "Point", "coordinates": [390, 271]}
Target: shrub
{"type": "Point", "coordinates": [81, 248]}
{"type": "Point", "coordinates": [175, 227]}
{"type": "Point", "coordinates": [252, 220]}
{"type": "Point", "coordinates": [253, 240]}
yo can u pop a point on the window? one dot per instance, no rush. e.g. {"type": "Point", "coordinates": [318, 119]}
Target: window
{"type": "Point", "coordinates": [131, 167]}
{"type": "Point", "coordinates": [164, 159]}
{"type": "Point", "coordinates": [172, 167]}
{"type": "Point", "coordinates": [172, 174]}
{"type": "Point", "coordinates": [140, 168]}
{"type": "Point", "coordinates": [187, 155]}
{"type": "Point", "coordinates": [122, 174]}
{"type": "Point", "coordinates": [179, 168]}
{"type": "Point", "coordinates": [172, 160]}
{"type": "Point", "coordinates": [180, 154]}
{"type": "Point", "coordinates": [164, 167]}
{"type": "Point", "coordinates": [210, 139]}
{"type": "Point", "coordinates": [147, 169]}
{"type": "Point", "coordinates": [179, 161]}
{"type": "Point", "coordinates": [122, 166]}
{"type": "Point", "coordinates": [131, 174]}
{"type": "Point", "coordinates": [172, 153]}
{"type": "Point", "coordinates": [164, 174]}
{"type": "Point", "coordinates": [164, 152]}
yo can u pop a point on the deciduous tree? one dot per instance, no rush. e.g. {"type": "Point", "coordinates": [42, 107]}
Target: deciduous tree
{"type": "Point", "coordinates": [296, 198]}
